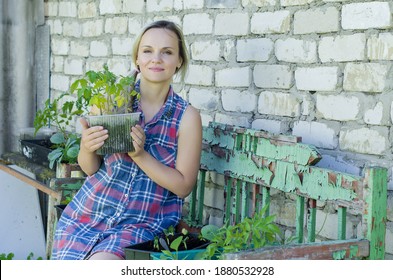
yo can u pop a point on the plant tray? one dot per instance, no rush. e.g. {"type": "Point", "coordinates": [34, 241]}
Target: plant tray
{"type": "Point", "coordinates": [36, 150]}
{"type": "Point", "coordinates": [146, 250]}
{"type": "Point", "coordinates": [119, 129]}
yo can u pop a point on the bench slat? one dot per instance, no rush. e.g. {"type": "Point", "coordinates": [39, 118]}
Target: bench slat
{"type": "Point", "coordinates": [327, 250]}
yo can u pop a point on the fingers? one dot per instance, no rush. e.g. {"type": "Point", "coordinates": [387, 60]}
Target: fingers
{"type": "Point", "coordinates": [84, 123]}
{"type": "Point", "coordinates": [138, 135]}
{"type": "Point", "coordinates": [93, 138]}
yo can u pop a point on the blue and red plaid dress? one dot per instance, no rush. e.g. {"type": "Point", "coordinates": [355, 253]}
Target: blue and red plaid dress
{"type": "Point", "coordinates": [120, 205]}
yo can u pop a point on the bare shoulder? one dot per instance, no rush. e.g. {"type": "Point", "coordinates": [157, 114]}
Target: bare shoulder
{"type": "Point", "coordinates": [191, 120]}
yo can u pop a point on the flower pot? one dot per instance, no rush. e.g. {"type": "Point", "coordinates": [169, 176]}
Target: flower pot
{"type": "Point", "coordinates": [36, 150]}
{"type": "Point", "coordinates": [195, 247]}
{"type": "Point", "coordinates": [59, 209]}
{"type": "Point", "coordinates": [119, 128]}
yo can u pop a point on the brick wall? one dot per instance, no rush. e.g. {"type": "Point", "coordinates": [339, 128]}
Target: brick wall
{"type": "Point", "coordinates": [320, 69]}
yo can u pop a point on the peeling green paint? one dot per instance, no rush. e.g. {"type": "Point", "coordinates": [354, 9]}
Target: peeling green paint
{"type": "Point", "coordinates": [353, 251]}
{"type": "Point", "coordinates": [339, 255]}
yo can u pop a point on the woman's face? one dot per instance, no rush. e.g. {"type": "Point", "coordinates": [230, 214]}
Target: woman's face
{"type": "Point", "coordinates": [158, 55]}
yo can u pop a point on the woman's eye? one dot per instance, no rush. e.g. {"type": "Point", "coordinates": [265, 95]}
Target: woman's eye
{"type": "Point", "coordinates": [146, 51]}
{"type": "Point", "coordinates": [168, 52]}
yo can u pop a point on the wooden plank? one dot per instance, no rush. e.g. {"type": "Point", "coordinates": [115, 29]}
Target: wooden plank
{"type": "Point", "coordinates": [328, 250]}
{"type": "Point", "coordinates": [299, 219]}
{"type": "Point", "coordinates": [374, 216]}
{"type": "Point", "coordinates": [34, 183]}
{"type": "Point", "coordinates": [266, 147]}
{"type": "Point", "coordinates": [308, 181]}
{"type": "Point", "coordinates": [311, 219]}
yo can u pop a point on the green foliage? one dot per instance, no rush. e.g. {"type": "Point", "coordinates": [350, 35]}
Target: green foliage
{"type": "Point", "coordinates": [107, 92]}
{"type": "Point", "coordinates": [11, 256]}
{"type": "Point", "coordinates": [102, 90]}
{"type": "Point", "coordinates": [66, 148]}
{"type": "Point", "coordinates": [251, 233]}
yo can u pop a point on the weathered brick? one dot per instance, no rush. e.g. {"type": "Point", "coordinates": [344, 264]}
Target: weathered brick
{"type": "Point", "coordinates": [87, 10]}
{"type": "Point", "coordinates": [73, 66]}
{"type": "Point", "coordinates": [122, 46]}
{"type": "Point", "coordinates": [134, 6]}
{"type": "Point", "coordinates": [239, 120]}
{"type": "Point", "coordinates": [117, 25]}
{"type": "Point", "coordinates": [296, 50]}
{"type": "Point", "coordinates": [199, 75]}
{"type": "Point", "coordinates": [99, 48]}
{"type": "Point", "coordinates": [270, 22]}
{"type": "Point", "coordinates": [57, 63]}
{"type": "Point", "coordinates": [110, 7]}
{"type": "Point", "coordinates": [259, 49]}
{"type": "Point", "coordinates": [120, 66]}
{"type": "Point", "coordinates": [342, 48]}
{"type": "Point", "coordinates": [60, 82]}
{"type": "Point", "coordinates": [381, 47]}
{"type": "Point", "coordinates": [365, 140]}
{"type": "Point", "coordinates": [233, 77]}
{"type": "Point", "coordinates": [273, 126]}
{"type": "Point", "coordinates": [199, 23]}
{"type": "Point", "coordinates": [204, 99]}
{"type": "Point", "coordinates": [93, 28]}
{"type": "Point", "coordinates": [67, 9]}
{"type": "Point", "coordinates": [317, 78]}
{"type": "Point", "coordinates": [338, 107]}
{"type": "Point", "coordinates": [159, 5]}
{"type": "Point", "coordinates": [321, 135]}
{"type": "Point", "coordinates": [72, 29]}
{"type": "Point", "coordinates": [205, 50]}
{"type": "Point", "coordinates": [319, 20]}
{"type": "Point", "coordinates": [51, 9]}
{"type": "Point", "coordinates": [59, 46]}
{"type": "Point", "coordinates": [366, 15]}
{"type": "Point", "coordinates": [286, 3]}
{"type": "Point", "coordinates": [374, 115]}
{"type": "Point", "coordinates": [231, 24]}
{"type": "Point", "coordinates": [259, 3]}
{"type": "Point", "coordinates": [230, 100]}
{"type": "Point", "coordinates": [228, 4]}
{"type": "Point", "coordinates": [79, 48]}
{"type": "Point", "coordinates": [369, 77]}
{"type": "Point", "coordinates": [272, 76]}
{"type": "Point", "coordinates": [278, 104]}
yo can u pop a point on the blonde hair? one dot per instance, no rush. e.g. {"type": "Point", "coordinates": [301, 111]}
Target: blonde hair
{"type": "Point", "coordinates": [164, 24]}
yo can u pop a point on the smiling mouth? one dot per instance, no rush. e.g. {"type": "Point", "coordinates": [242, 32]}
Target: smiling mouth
{"type": "Point", "coordinates": [155, 69]}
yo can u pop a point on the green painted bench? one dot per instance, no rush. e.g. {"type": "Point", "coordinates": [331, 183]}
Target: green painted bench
{"type": "Point", "coordinates": [252, 164]}
{"type": "Point", "coordinates": [255, 162]}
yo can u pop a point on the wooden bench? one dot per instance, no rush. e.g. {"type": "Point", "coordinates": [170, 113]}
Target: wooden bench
{"type": "Point", "coordinates": [253, 163]}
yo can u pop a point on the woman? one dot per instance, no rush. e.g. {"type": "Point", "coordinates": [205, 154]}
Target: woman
{"type": "Point", "coordinates": [130, 198]}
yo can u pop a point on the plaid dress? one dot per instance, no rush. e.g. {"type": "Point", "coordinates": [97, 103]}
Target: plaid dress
{"type": "Point", "coordinates": [120, 205]}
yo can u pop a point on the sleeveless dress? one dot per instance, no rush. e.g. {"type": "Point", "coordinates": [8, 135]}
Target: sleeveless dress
{"type": "Point", "coordinates": [120, 205]}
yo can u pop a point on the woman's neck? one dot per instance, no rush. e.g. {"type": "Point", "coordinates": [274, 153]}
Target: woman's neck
{"type": "Point", "coordinates": [153, 96]}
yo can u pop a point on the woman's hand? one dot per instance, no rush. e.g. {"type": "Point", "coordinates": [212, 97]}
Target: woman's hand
{"type": "Point", "coordinates": [92, 137]}
{"type": "Point", "coordinates": [138, 140]}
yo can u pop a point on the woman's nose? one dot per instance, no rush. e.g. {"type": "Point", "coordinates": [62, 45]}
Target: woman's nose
{"type": "Point", "coordinates": [157, 57]}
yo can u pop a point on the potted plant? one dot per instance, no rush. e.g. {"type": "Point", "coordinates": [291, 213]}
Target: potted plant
{"type": "Point", "coordinates": [101, 92]}
{"type": "Point", "coordinates": [251, 233]}
{"type": "Point", "coordinates": [111, 99]}
{"type": "Point", "coordinates": [169, 246]}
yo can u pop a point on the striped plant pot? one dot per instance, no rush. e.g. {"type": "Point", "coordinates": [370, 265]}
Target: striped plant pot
{"type": "Point", "coordinates": [119, 128]}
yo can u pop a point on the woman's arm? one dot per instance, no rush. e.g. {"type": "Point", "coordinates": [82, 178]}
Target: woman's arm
{"type": "Point", "coordinates": [92, 139]}
{"type": "Point", "coordinates": [181, 179]}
